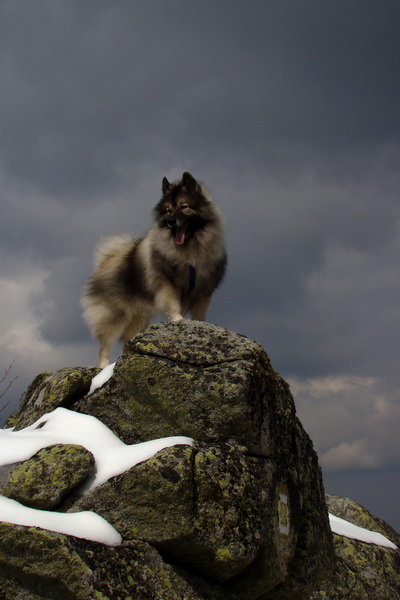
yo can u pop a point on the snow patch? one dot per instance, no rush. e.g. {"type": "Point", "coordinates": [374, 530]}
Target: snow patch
{"type": "Point", "coordinates": [85, 524]}
{"type": "Point", "coordinates": [101, 378]}
{"type": "Point", "coordinates": [346, 529]}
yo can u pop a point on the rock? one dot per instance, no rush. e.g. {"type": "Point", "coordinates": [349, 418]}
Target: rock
{"type": "Point", "coordinates": [36, 564]}
{"type": "Point", "coordinates": [204, 508]}
{"type": "Point", "coordinates": [50, 390]}
{"type": "Point", "coordinates": [45, 479]}
{"type": "Point", "coordinates": [358, 515]}
{"type": "Point", "coordinates": [362, 570]}
{"type": "Point", "coordinates": [242, 513]}
{"type": "Point", "coordinates": [203, 381]}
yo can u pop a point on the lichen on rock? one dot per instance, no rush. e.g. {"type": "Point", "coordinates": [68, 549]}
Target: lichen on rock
{"type": "Point", "coordinates": [44, 480]}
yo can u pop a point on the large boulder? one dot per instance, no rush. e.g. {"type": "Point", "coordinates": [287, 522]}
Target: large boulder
{"type": "Point", "coordinates": [240, 514]}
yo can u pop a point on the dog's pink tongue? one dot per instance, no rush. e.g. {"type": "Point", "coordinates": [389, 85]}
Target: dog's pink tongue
{"type": "Point", "coordinates": [180, 235]}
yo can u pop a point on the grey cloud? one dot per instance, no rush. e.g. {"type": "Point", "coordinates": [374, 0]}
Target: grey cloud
{"type": "Point", "coordinates": [350, 434]}
{"type": "Point", "coordinates": [75, 96]}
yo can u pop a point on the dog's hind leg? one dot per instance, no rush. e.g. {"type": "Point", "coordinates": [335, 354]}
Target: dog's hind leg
{"type": "Point", "coordinates": [107, 336]}
{"type": "Point", "coordinates": [104, 354]}
{"type": "Point", "coordinates": [106, 345]}
{"type": "Point", "coordinates": [135, 325]}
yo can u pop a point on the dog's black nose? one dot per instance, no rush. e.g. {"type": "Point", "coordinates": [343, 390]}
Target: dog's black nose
{"type": "Point", "coordinates": [171, 223]}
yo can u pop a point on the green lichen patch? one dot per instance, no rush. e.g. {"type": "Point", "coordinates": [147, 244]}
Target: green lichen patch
{"type": "Point", "coordinates": [347, 509]}
{"type": "Point", "coordinates": [210, 404]}
{"type": "Point", "coordinates": [44, 480]}
{"type": "Point", "coordinates": [37, 564]}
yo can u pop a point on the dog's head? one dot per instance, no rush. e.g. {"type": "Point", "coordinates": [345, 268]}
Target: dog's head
{"type": "Point", "coordinates": [184, 208]}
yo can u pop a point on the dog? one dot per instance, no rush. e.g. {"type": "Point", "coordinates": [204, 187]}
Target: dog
{"type": "Point", "coordinates": [171, 271]}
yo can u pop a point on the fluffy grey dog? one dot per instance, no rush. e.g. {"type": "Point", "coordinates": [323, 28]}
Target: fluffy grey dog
{"type": "Point", "coordinates": [171, 271]}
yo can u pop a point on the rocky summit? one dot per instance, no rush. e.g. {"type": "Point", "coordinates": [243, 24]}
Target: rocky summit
{"type": "Point", "coordinates": [239, 515]}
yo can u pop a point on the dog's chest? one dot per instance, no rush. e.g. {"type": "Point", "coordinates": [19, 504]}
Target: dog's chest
{"type": "Point", "coordinates": [186, 277]}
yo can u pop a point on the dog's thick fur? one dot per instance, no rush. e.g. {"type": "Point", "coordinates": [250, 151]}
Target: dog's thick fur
{"type": "Point", "coordinates": [173, 270]}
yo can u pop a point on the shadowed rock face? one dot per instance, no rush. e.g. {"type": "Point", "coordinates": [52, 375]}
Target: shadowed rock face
{"type": "Point", "coordinates": [240, 514]}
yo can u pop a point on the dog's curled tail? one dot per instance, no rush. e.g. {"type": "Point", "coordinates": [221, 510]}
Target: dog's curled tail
{"type": "Point", "coordinates": [109, 246]}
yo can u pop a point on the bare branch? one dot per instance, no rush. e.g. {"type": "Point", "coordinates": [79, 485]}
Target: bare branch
{"type": "Point", "coordinates": [3, 393]}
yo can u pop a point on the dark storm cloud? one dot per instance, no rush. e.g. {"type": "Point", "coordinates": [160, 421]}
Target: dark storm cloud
{"type": "Point", "coordinates": [268, 80]}
{"type": "Point", "coordinates": [75, 95]}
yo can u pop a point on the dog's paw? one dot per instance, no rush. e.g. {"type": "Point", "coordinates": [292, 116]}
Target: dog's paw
{"type": "Point", "coordinates": [176, 318]}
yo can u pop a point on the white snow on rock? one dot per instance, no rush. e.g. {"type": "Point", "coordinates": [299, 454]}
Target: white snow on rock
{"type": "Point", "coordinates": [84, 524]}
{"type": "Point", "coordinates": [101, 378]}
{"type": "Point", "coordinates": [346, 529]}
{"type": "Point", "coordinates": [63, 426]}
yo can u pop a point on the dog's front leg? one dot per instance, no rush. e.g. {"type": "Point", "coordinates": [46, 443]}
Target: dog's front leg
{"type": "Point", "coordinates": [198, 310]}
{"type": "Point", "coordinates": [168, 303]}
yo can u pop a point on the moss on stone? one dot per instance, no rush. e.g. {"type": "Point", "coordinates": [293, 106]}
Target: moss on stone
{"type": "Point", "coordinates": [44, 480]}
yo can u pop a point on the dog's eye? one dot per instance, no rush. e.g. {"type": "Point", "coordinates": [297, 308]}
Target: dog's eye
{"type": "Point", "coordinates": [185, 207]}
{"type": "Point", "coordinates": [167, 211]}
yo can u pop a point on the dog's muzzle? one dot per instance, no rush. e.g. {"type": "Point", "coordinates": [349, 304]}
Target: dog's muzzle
{"type": "Point", "coordinates": [180, 230]}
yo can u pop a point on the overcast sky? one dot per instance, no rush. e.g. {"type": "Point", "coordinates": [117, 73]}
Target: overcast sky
{"type": "Point", "coordinates": [288, 111]}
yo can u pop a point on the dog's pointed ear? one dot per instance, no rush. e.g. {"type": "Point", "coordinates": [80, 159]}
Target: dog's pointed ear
{"type": "Point", "coordinates": [166, 186]}
{"type": "Point", "coordinates": [189, 182]}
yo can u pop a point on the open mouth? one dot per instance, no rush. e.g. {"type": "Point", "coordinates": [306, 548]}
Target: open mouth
{"type": "Point", "coordinates": [180, 232]}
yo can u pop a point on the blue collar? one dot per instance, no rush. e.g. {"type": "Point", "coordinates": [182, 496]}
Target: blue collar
{"type": "Point", "coordinates": [192, 277]}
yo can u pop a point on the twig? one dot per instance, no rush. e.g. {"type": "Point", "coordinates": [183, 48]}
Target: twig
{"type": "Point", "coordinates": [3, 393]}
